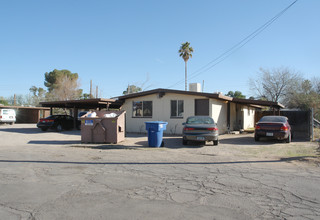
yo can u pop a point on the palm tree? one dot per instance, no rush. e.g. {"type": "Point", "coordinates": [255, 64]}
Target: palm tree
{"type": "Point", "coordinates": [185, 52]}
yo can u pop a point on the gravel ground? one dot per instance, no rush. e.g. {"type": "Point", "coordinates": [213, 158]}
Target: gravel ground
{"type": "Point", "coordinates": [49, 175]}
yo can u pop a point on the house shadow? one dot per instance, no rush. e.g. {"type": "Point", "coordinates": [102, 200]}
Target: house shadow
{"type": "Point", "coordinates": [248, 140]}
{"type": "Point", "coordinates": [173, 143]}
{"type": "Point", "coordinates": [169, 143]}
{"type": "Point", "coordinates": [245, 140]}
{"type": "Point", "coordinates": [55, 142]}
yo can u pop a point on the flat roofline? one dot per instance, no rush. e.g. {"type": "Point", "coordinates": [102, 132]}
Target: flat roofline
{"type": "Point", "coordinates": [254, 103]}
{"type": "Point", "coordinates": [163, 91]}
{"type": "Point", "coordinates": [83, 103]}
{"type": "Point", "coordinates": [23, 107]}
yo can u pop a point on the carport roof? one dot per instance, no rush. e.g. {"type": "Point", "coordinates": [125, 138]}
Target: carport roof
{"type": "Point", "coordinates": [84, 103]}
{"type": "Point", "coordinates": [254, 103]}
{"type": "Point", "coordinates": [23, 107]}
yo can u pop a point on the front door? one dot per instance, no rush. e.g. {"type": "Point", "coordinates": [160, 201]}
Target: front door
{"type": "Point", "coordinates": [202, 107]}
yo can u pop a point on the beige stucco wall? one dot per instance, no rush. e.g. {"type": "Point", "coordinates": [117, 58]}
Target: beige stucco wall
{"type": "Point", "coordinates": [218, 111]}
{"type": "Point", "coordinates": [245, 118]}
{"type": "Point", "coordinates": [161, 112]}
{"type": "Point", "coordinates": [248, 117]}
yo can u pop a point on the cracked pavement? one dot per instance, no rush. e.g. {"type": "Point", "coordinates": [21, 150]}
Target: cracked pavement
{"type": "Point", "coordinates": [48, 175]}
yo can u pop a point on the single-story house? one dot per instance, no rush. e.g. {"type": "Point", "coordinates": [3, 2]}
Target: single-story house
{"type": "Point", "coordinates": [174, 106]}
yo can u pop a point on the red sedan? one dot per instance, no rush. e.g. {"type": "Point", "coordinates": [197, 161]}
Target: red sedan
{"type": "Point", "coordinates": [275, 127]}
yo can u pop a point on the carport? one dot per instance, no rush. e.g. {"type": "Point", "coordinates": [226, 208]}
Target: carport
{"type": "Point", "coordinates": [28, 114]}
{"type": "Point", "coordinates": [275, 106]}
{"type": "Point", "coordinates": [258, 105]}
{"type": "Point", "coordinates": [89, 104]}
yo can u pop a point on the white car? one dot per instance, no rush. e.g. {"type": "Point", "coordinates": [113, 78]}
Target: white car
{"type": "Point", "coordinates": [7, 116]}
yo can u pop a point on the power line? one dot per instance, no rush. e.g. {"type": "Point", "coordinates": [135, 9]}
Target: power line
{"type": "Point", "coordinates": [236, 47]}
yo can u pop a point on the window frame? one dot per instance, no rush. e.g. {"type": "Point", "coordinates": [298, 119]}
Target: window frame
{"type": "Point", "coordinates": [177, 109]}
{"type": "Point", "coordinates": [143, 104]}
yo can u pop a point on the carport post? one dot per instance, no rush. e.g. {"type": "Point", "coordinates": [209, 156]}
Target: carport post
{"type": "Point", "coordinates": [75, 117]}
{"type": "Point", "coordinates": [312, 123]}
{"type": "Point", "coordinates": [51, 111]}
{"type": "Point", "coordinates": [228, 117]}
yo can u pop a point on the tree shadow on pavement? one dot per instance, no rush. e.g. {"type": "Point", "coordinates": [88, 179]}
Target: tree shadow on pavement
{"type": "Point", "coordinates": [22, 130]}
{"type": "Point", "coordinates": [38, 131]}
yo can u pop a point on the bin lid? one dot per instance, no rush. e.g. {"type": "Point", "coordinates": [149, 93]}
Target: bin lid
{"type": "Point", "coordinates": [156, 122]}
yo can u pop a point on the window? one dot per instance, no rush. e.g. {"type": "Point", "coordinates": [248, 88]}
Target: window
{"type": "Point", "coordinates": [177, 108]}
{"type": "Point", "coordinates": [142, 109]}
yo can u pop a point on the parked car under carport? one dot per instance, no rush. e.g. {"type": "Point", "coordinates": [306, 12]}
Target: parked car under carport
{"type": "Point", "coordinates": [57, 122]}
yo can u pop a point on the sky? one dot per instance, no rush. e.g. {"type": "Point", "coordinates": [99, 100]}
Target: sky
{"type": "Point", "coordinates": [117, 43]}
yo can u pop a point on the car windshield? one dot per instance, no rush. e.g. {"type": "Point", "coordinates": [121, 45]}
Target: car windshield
{"type": "Point", "coordinates": [273, 119]}
{"type": "Point", "coordinates": [55, 116]}
{"type": "Point", "coordinates": [200, 120]}
{"type": "Point", "coordinates": [82, 114]}
{"type": "Point", "coordinates": [51, 117]}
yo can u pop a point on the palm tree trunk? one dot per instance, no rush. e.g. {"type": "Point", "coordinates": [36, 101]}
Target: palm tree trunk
{"type": "Point", "coordinates": [185, 81]}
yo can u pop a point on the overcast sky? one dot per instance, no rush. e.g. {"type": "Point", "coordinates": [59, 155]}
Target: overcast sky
{"type": "Point", "coordinates": [116, 43]}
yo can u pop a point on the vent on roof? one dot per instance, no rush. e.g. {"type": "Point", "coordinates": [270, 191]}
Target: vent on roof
{"type": "Point", "coordinates": [195, 87]}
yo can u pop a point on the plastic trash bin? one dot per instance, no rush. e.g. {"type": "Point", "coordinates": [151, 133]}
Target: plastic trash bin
{"type": "Point", "coordinates": [155, 132]}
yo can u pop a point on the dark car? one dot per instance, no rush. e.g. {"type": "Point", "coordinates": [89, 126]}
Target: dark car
{"type": "Point", "coordinates": [82, 114]}
{"type": "Point", "coordinates": [57, 122]}
{"type": "Point", "coordinates": [200, 128]}
{"type": "Point", "coordinates": [275, 127]}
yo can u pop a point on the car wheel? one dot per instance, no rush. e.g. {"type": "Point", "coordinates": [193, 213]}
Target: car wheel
{"type": "Point", "coordinates": [256, 138]}
{"type": "Point", "coordinates": [215, 142]}
{"type": "Point", "coordinates": [44, 129]}
{"type": "Point", "coordinates": [59, 127]}
{"type": "Point", "coordinates": [184, 142]}
{"type": "Point", "coordinates": [288, 140]}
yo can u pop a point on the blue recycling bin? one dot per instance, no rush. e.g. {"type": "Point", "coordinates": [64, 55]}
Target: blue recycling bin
{"type": "Point", "coordinates": [155, 132]}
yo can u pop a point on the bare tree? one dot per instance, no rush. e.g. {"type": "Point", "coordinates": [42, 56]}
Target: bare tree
{"type": "Point", "coordinates": [316, 84]}
{"type": "Point", "coordinates": [274, 85]}
{"type": "Point", "coordinates": [305, 97]}
{"type": "Point", "coordinates": [67, 88]}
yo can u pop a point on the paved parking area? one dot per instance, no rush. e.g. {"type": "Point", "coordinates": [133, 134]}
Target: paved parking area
{"type": "Point", "coordinates": [49, 175]}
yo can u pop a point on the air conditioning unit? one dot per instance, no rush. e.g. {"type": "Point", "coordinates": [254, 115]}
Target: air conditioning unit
{"type": "Point", "coordinates": [195, 87]}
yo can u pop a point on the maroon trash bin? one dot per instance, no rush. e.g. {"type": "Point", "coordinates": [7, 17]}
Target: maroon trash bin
{"type": "Point", "coordinates": [106, 127]}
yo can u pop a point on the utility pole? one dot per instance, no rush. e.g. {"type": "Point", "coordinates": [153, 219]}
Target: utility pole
{"type": "Point", "coordinates": [90, 89]}
{"type": "Point", "coordinates": [96, 92]}
{"type": "Point", "coordinates": [202, 85]}
{"type": "Point", "coordinates": [15, 100]}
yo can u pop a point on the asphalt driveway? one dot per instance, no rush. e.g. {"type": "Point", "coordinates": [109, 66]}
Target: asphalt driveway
{"type": "Point", "coordinates": [49, 175]}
